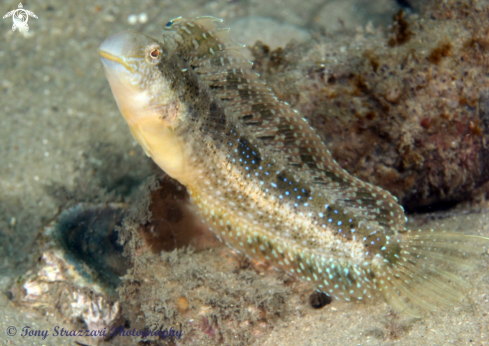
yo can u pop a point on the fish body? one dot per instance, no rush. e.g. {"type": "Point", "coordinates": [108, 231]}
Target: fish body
{"type": "Point", "coordinates": [262, 178]}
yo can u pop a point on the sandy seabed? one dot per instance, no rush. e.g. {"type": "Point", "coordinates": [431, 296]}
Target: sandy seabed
{"type": "Point", "coordinates": [63, 141]}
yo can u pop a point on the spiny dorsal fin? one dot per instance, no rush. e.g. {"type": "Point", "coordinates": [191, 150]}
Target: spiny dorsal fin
{"type": "Point", "coordinates": [199, 38]}
{"type": "Point", "coordinates": [274, 124]}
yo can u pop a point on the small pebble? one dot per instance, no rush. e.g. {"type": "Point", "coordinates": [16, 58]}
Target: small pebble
{"type": "Point", "coordinates": [143, 17]}
{"type": "Point", "coordinates": [135, 18]}
{"type": "Point", "coordinates": [132, 19]}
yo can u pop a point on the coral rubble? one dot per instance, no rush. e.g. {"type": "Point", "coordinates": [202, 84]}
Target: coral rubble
{"type": "Point", "coordinates": [208, 291]}
{"type": "Point", "coordinates": [405, 110]}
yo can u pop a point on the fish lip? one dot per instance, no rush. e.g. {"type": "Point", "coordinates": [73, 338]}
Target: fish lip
{"type": "Point", "coordinates": [114, 58]}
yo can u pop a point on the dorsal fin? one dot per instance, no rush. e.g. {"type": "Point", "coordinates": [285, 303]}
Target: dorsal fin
{"type": "Point", "coordinates": [275, 125]}
{"type": "Point", "coordinates": [200, 38]}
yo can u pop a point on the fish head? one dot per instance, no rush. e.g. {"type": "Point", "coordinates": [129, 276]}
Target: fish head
{"type": "Point", "coordinates": [136, 67]}
{"type": "Point", "coordinates": [133, 64]}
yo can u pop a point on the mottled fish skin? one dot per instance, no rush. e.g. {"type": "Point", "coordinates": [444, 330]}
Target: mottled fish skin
{"type": "Point", "coordinates": [261, 176]}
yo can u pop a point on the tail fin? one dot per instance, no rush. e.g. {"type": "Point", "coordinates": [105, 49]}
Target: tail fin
{"type": "Point", "coordinates": [419, 269]}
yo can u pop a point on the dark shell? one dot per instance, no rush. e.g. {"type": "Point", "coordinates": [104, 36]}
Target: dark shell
{"type": "Point", "coordinates": [88, 236]}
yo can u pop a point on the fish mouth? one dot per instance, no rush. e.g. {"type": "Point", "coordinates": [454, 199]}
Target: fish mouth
{"type": "Point", "coordinates": [123, 49]}
{"type": "Point", "coordinates": [110, 60]}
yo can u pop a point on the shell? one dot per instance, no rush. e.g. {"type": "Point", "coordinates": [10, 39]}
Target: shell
{"type": "Point", "coordinates": [79, 268]}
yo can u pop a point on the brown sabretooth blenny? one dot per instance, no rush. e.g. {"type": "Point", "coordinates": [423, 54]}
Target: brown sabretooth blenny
{"type": "Point", "coordinates": [262, 178]}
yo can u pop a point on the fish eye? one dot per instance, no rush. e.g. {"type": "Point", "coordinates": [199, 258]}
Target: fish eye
{"type": "Point", "coordinates": [153, 53]}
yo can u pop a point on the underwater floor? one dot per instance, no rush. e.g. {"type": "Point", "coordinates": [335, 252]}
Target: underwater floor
{"type": "Point", "coordinates": [64, 147]}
